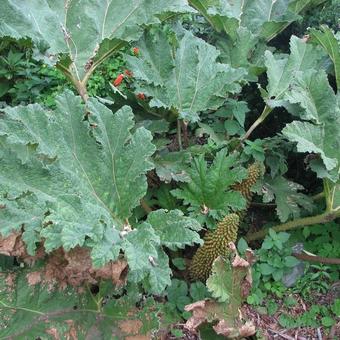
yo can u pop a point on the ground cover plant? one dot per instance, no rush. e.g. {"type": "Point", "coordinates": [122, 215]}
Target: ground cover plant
{"type": "Point", "coordinates": [169, 170]}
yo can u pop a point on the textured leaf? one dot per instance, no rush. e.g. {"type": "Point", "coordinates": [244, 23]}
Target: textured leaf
{"type": "Point", "coordinates": [281, 71]}
{"type": "Point", "coordinates": [82, 30]}
{"type": "Point", "coordinates": [159, 274]}
{"type": "Point", "coordinates": [31, 312]}
{"type": "Point", "coordinates": [244, 50]}
{"type": "Point", "coordinates": [262, 17]}
{"type": "Point", "coordinates": [187, 80]}
{"type": "Point", "coordinates": [289, 201]}
{"type": "Point", "coordinates": [174, 229]}
{"type": "Point", "coordinates": [173, 166]}
{"type": "Point", "coordinates": [209, 188]}
{"type": "Point", "coordinates": [15, 213]}
{"type": "Point", "coordinates": [321, 136]}
{"type": "Point", "coordinates": [220, 280]}
{"type": "Point", "coordinates": [87, 179]}
{"type": "Point", "coordinates": [326, 38]}
{"type": "Point", "coordinates": [230, 283]}
{"type": "Point", "coordinates": [141, 245]}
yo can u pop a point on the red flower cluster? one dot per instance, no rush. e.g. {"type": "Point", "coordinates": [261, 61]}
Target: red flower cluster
{"type": "Point", "coordinates": [141, 96]}
{"type": "Point", "coordinates": [135, 51]}
{"type": "Point", "coordinates": [118, 80]}
{"type": "Point", "coordinates": [128, 73]}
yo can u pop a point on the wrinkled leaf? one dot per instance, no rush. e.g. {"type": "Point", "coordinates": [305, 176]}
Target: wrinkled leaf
{"type": "Point", "coordinates": [31, 312]}
{"type": "Point", "coordinates": [84, 179]}
{"type": "Point", "coordinates": [209, 189]}
{"type": "Point", "coordinates": [265, 18]}
{"type": "Point", "coordinates": [174, 229]}
{"type": "Point", "coordinates": [173, 166]}
{"type": "Point", "coordinates": [186, 80]}
{"type": "Point", "coordinates": [82, 31]}
{"type": "Point", "coordinates": [326, 38]}
{"type": "Point", "coordinates": [322, 134]}
{"type": "Point", "coordinates": [282, 70]}
{"type": "Point", "coordinates": [289, 201]}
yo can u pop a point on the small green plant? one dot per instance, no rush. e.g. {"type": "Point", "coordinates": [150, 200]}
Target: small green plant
{"type": "Point", "coordinates": [316, 316]}
{"type": "Point", "coordinates": [315, 280]}
{"type": "Point", "coordinates": [179, 294]}
{"type": "Point", "coordinates": [274, 259]}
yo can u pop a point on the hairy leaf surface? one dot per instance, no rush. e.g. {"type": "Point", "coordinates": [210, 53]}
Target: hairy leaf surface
{"type": "Point", "coordinates": [30, 312]}
{"type": "Point", "coordinates": [82, 30]}
{"type": "Point", "coordinates": [321, 134]}
{"type": "Point", "coordinates": [265, 18]}
{"type": "Point", "coordinates": [85, 177]}
{"type": "Point", "coordinates": [326, 38]}
{"type": "Point", "coordinates": [209, 190]}
{"type": "Point", "coordinates": [186, 81]}
{"type": "Point", "coordinates": [282, 70]}
{"type": "Point", "coordinates": [175, 229]}
{"type": "Point", "coordinates": [286, 196]}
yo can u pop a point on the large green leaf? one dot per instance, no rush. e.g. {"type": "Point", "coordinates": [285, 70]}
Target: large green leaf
{"type": "Point", "coordinates": [172, 166]}
{"type": "Point", "coordinates": [147, 261]}
{"type": "Point", "coordinates": [84, 177]}
{"type": "Point", "coordinates": [321, 135]}
{"type": "Point", "coordinates": [82, 174]}
{"type": "Point", "coordinates": [175, 229]}
{"type": "Point", "coordinates": [187, 80]}
{"type": "Point", "coordinates": [289, 201]}
{"type": "Point", "coordinates": [264, 18]}
{"type": "Point", "coordinates": [326, 38]}
{"type": "Point", "coordinates": [209, 190]}
{"type": "Point", "coordinates": [282, 70]}
{"type": "Point", "coordinates": [31, 312]}
{"type": "Point", "coordinates": [82, 31]}
{"type": "Point", "coordinates": [244, 50]}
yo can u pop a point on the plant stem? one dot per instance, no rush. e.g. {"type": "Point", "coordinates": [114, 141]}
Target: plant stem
{"type": "Point", "coordinates": [179, 134]}
{"type": "Point", "coordinates": [318, 196]}
{"type": "Point", "coordinates": [319, 259]}
{"type": "Point", "coordinates": [184, 126]}
{"type": "Point", "coordinates": [263, 205]}
{"type": "Point", "coordinates": [295, 224]}
{"type": "Point", "coordinates": [114, 48]}
{"type": "Point", "coordinates": [81, 88]}
{"type": "Point", "coordinates": [79, 85]}
{"type": "Point", "coordinates": [266, 111]}
{"type": "Point", "coordinates": [145, 206]}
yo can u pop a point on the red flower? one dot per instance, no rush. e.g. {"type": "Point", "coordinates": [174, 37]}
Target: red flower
{"type": "Point", "coordinates": [118, 80]}
{"type": "Point", "coordinates": [128, 73]}
{"type": "Point", "coordinates": [141, 96]}
{"type": "Point", "coordinates": [135, 51]}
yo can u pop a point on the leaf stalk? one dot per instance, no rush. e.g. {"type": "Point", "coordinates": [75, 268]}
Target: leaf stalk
{"type": "Point", "coordinates": [266, 111]}
{"type": "Point", "coordinates": [325, 217]}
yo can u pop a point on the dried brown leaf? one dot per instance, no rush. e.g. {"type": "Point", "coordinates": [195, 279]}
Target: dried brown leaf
{"type": "Point", "coordinates": [222, 328]}
{"type": "Point", "coordinates": [130, 326]}
{"type": "Point", "coordinates": [139, 337]}
{"type": "Point", "coordinates": [54, 333]}
{"type": "Point", "coordinates": [202, 311]}
{"type": "Point", "coordinates": [248, 329]}
{"type": "Point", "coordinates": [72, 332]}
{"type": "Point", "coordinates": [9, 245]}
{"type": "Point", "coordinates": [10, 280]}
{"type": "Point", "coordinates": [33, 278]}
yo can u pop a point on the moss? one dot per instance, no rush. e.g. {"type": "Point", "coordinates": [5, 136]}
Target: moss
{"type": "Point", "coordinates": [215, 244]}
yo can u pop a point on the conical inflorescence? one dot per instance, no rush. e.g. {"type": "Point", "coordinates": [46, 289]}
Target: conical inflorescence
{"type": "Point", "coordinates": [215, 244]}
{"type": "Point", "coordinates": [254, 172]}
